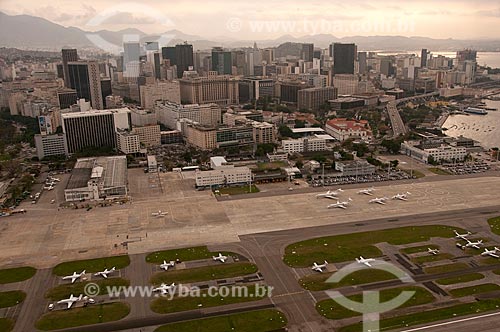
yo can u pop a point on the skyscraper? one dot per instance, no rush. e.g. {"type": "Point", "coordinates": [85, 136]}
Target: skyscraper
{"type": "Point", "coordinates": [184, 58]}
{"type": "Point", "coordinates": [131, 55]}
{"type": "Point", "coordinates": [169, 53]}
{"type": "Point", "coordinates": [84, 78]}
{"type": "Point", "coordinates": [362, 62]}
{"type": "Point", "coordinates": [221, 61]}
{"type": "Point", "coordinates": [343, 58]}
{"type": "Point", "coordinates": [423, 57]}
{"type": "Point", "coordinates": [307, 52]}
{"type": "Point", "coordinates": [68, 55]}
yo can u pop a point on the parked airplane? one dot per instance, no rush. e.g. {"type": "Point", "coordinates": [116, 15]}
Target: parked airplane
{"type": "Point", "coordinates": [220, 258]}
{"type": "Point", "coordinates": [54, 179]}
{"type": "Point", "coordinates": [342, 205]}
{"type": "Point", "coordinates": [380, 200]}
{"type": "Point", "coordinates": [433, 251]}
{"type": "Point", "coordinates": [319, 267]}
{"type": "Point", "coordinates": [166, 265]}
{"type": "Point", "coordinates": [365, 261]}
{"type": "Point", "coordinates": [160, 213]}
{"type": "Point", "coordinates": [331, 194]}
{"type": "Point", "coordinates": [74, 276]}
{"type": "Point", "coordinates": [368, 191]}
{"type": "Point", "coordinates": [492, 253]}
{"type": "Point", "coordinates": [69, 301]}
{"type": "Point", "coordinates": [476, 245]}
{"type": "Point", "coordinates": [462, 236]}
{"type": "Point", "coordinates": [105, 273]}
{"type": "Point", "coordinates": [164, 288]}
{"type": "Point", "coordinates": [402, 197]}
{"type": "Point", "coordinates": [49, 188]}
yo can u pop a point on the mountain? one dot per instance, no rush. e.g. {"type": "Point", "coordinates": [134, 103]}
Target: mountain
{"type": "Point", "coordinates": [29, 32]}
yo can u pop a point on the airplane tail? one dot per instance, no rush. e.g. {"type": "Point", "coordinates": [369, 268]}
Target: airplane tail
{"type": "Point", "coordinates": [83, 272]}
{"type": "Point", "coordinates": [350, 199]}
{"type": "Point", "coordinates": [326, 262]}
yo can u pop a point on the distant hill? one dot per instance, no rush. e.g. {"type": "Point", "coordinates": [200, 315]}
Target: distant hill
{"type": "Point", "coordinates": [30, 32]}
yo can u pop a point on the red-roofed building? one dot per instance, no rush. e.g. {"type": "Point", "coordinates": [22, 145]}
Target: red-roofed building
{"type": "Point", "coordinates": [343, 129]}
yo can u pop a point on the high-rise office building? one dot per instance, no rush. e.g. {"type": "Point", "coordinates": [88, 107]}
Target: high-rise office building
{"type": "Point", "coordinates": [157, 65]}
{"type": "Point", "coordinates": [221, 61]}
{"type": "Point", "coordinates": [84, 78]}
{"type": "Point", "coordinates": [94, 128]}
{"type": "Point", "coordinates": [131, 55]}
{"type": "Point", "coordinates": [66, 98]}
{"type": "Point", "coordinates": [363, 68]}
{"type": "Point", "coordinates": [219, 89]}
{"type": "Point", "coordinates": [423, 57]}
{"type": "Point", "coordinates": [168, 53]}
{"type": "Point", "coordinates": [184, 58]}
{"type": "Point", "coordinates": [106, 90]}
{"type": "Point", "coordinates": [343, 58]}
{"type": "Point", "coordinates": [68, 55]}
{"type": "Point", "coordinates": [307, 53]}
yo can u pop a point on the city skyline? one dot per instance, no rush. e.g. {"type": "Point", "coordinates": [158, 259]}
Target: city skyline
{"type": "Point", "coordinates": [261, 20]}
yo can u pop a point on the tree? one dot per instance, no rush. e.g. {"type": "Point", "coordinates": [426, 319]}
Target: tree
{"type": "Point", "coordinates": [393, 146]}
{"type": "Point", "coordinates": [394, 163]}
{"type": "Point", "coordinates": [299, 164]}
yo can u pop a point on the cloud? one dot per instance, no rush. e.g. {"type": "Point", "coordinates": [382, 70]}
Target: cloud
{"type": "Point", "coordinates": [129, 19]}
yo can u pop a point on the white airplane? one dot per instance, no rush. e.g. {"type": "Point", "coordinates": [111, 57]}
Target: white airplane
{"type": "Point", "coordinates": [342, 205]}
{"type": "Point", "coordinates": [365, 261]}
{"type": "Point", "coordinates": [492, 253]}
{"type": "Point", "coordinates": [164, 288]}
{"type": "Point", "coordinates": [221, 258]}
{"type": "Point", "coordinates": [160, 213]}
{"type": "Point", "coordinates": [475, 245]}
{"type": "Point", "coordinates": [319, 267]}
{"type": "Point", "coordinates": [433, 251]}
{"type": "Point", "coordinates": [74, 276]}
{"type": "Point", "coordinates": [330, 194]}
{"type": "Point", "coordinates": [368, 191]}
{"type": "Point", "coordinates": [105, 273]}
{"type": "Point", "coordinates": [69, 301]}
{"type": "Point", "coordinates": [55, 179]}
{"type": "Point", "coordinates": [49, 188]}
{"type": "Point", "coordinates": [462, 236]}
{"type": "Point", "coordinates": [402, 197]}
{"type": "Point", "coordinates": [377, 200]}
{"type": "Point", "coordinates": [166, 265]}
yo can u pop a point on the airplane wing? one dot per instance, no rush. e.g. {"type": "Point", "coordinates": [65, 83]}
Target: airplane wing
{"type": "Point", "coordinates": [318, 269]}
{"type": "Point", "coordinates": [368, 264]}
{"type": "Point", "coordinates": [105, 275]}
{"type": "Point", "coordinates": [223, 260]}
{"type": "Point", "coordinates": [73, 279]}
{"type": "Point", "coordinates": [70, 304]}
{"type": "Point", "coordinates": [331, 197]}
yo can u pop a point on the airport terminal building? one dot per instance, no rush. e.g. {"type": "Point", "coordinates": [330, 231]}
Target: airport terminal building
{"type": "Point", "coordinates": [97, 179]}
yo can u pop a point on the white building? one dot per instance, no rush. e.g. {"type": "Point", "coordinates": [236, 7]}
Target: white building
{"type": "Point", "coordinates": [127, 142]}
{"type": "Point", "coordinates": [343, 129]}
{"type": "Point", "coordinates": [303, 145]}
{"type": "Point", "coordinates": [223, 174]}
{"type": "Point", "coordinates": [169, 114]}
{"type": "Point", "coordinates": [443, 152]}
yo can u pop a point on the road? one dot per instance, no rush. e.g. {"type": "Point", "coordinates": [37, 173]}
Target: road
{"type": "Point", "coordinates": [397, 124]}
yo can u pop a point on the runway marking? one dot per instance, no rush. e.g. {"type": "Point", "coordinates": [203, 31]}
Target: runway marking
{"type": "Point", "coordinates": [289, 294]}
{"type": "Point", "coordinates": [452, 322]}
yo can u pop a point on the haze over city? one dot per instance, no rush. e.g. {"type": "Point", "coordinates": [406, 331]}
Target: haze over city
{"type": "Point", "coordinates": [211, 19]}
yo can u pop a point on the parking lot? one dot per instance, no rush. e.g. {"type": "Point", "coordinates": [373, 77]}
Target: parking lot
{"type": "Point", "coordinates": [468, 168]}
{"type": "Point", "coordinates": [341, 180]}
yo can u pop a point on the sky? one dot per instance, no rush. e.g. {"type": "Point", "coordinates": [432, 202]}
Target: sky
{"type": "Point", "coordinates": [269, 19]}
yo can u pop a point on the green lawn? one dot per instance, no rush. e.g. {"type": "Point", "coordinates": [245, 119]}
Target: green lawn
{"type": "Point", "coordinates": [91, 265]}
{"type": "Point", "coordinates": [495, 225]}
{"type": "Point", "coordinates": [238, 190]}
{"type": "Point", "coordinates": [472, 290]}
{"type": "Point", "coordinates": [6, 324]}
{"type": "Point", "coordinates": [16, 274]}
{"type": "Point", "coordinates": [430, 316]}
{"type": "Point", "coordinates": [414, 250]}
{"type": "Point", "coordinates": [460, 279]}
{"type": "Point", "coordinates": [439, 171]}
{"type": "Point", "coordinates": [346, 247]}
{"type": "Point", "coordinates": [251, 321]}
{"type": "Point", "coordinates": [415, 173]}
{"type": "Point", "coordinates": [93, 314]}
{"type": "Point", "coordinates": [11, 298]}
{"type": "Point", "coordinates": [446, 268]}
{"type": "Point", "coordinates": [183, 254]}
{"type": "Point", "coordinates": [317, 281]}
{"type": "Point", "coordinates": [431, 258]}
{"type": "Point", "coordinates": [164, 305]}
{"type": "Point", "coordinates": [212, 272]}
{"type": "Point", "coordinates": [332, 310]}
{"type": "Point", "coordinates": [65, 290]}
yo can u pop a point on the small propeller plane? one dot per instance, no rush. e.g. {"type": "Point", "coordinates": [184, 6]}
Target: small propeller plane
{"type": "Point", "coordinates": [164, 288]}
{"type": "Point", "coordinates": [166, 265]}
{"type": "Point", "coordinates": [220, 258]}
{"type": "Point", "coordinates": [319, 267]}
{"type": "Point", "coordinates": [433, 251]}
{"type": "Point", "coordinates": [365, 261]}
